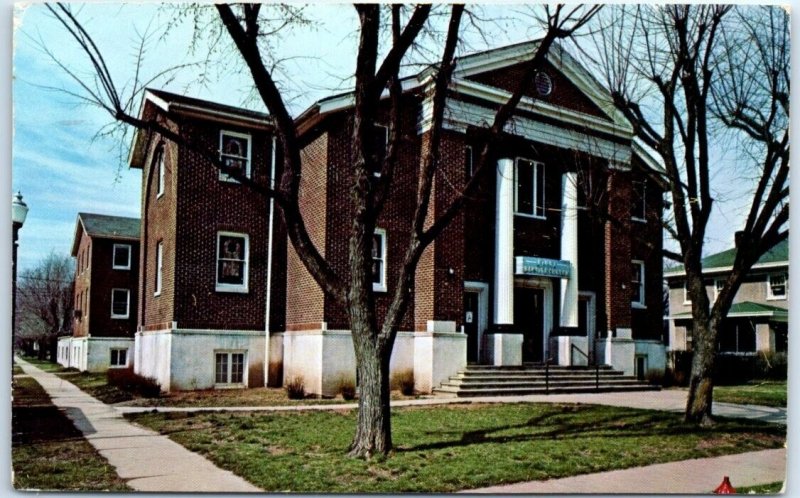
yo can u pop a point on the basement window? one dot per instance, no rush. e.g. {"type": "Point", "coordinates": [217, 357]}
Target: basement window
{"type": "Point", "coordinates": [229, 368]}
{"type": "Point", "coordinates": [119, 358]}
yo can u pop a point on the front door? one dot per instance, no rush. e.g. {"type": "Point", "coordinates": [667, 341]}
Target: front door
{"type": "Point", "coordinates": [529, 320]}
{"type": "Point", "coordinates": [471, 325]}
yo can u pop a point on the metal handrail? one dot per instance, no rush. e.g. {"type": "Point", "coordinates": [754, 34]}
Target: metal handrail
{"type": "Point", "coordinates": [596, 365]}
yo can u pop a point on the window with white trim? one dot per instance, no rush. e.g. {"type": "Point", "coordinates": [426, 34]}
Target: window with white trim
{"type": "Point", "coordinates": [121, 259]}
{"type": "Point", "coordinates": [234, 152]}
{"type": "Point", "coordinates": [776, 286]}
{"type": "Point", "coordinates": [120, 303]}
{"type": "Point", "coordinates": [638, 204]}
{"type": "Point", "coordinates": [161, 170]}
{"type": "Point", "coordinates": [232, 262]}
{"type": "Point", "coordinates": [159, 267]}
{"type": "Point", "coordinates": [229, 368]}
{"type": "Point", "coordinates": [119, 357]}
{"type": "Point", "coordinates": [637, 283]}
{"type": "Point", "coordinates": [379, 260]}
{"type": "Point", "coordinates": [529, 188]}
{"type": "Point", "coordinates": [583, 188]}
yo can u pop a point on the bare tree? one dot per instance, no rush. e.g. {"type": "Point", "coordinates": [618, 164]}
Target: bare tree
{"type": "Point", "coordinates": [45, 301]}
{"type": "Point", "coordinates": [373, 340]}
{"type": "Point", "coordinates": [686, 77]}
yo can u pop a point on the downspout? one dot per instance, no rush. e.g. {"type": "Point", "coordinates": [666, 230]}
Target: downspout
{"type": "Point", "coordinates": [269, 262]}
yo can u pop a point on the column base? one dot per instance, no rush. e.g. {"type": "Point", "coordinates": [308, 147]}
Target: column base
{"type": "Point", "coordinates": [505, 348]}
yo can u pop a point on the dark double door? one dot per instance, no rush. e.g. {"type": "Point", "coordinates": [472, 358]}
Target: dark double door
{"type": "Point", "coordinates": [529, 320]}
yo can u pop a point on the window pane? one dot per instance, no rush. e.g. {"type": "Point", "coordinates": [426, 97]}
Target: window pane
{"type": "Point", "coordinates": [234, 153]}
{"type": "Point", "coordinates": [122, 256]}
{"type": "Point", "coordinates": [231, 260]}
{"type": "Point", "coordinates": [468, 164]}
{"type": "Point", "coordinates": [377, 258]}
{"type": "Point", "coordinates": [525, 187]}
{"type": "Point", "coordinates": [119, 302]}
{"type": "Point", "coordinates": [638, 200]}
{"type": "Point", "coordinates": [114, 357]}
{"type": "Point", "coordinates": [123, 356]}
{"type": "Point", "coordinates": [221, 370]}
{"type": "Point", "coordinates": [778, 285]}
{"type": "Point", "coordinates": [237, 368]}
{"type": "Point", "coordinates": [539, 201]}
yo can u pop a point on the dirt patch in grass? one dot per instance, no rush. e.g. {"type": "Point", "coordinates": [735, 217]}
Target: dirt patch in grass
{"type": "Point", "coordinates": [449, 448]}
{"type": "Point", "coordinates": [48, 453]}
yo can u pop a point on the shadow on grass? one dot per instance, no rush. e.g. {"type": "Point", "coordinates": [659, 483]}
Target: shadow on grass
{"type": "Point", "coordinates": [567, 426]}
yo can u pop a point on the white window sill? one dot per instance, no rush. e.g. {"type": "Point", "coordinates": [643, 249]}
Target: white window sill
{"type": "Point", "coordinates": [231, 288]}
{"type": "Point", "coordinates": [638, 220]}
{"type": "Point", "coordinates": [776, 298]}
{"type": "Point", "coordinates": [531, 216]}
{"type": "Point", "coordinates": [639, 306]}
{"type": "Point", "coordinates": [117, 366]}
{"type": "Point", "coordinates": [121, 267]}
{"type": "Point", "coordinates": [379, 288]}
{"type": "Point", "coordinates": [120, 317]}
{"type": "Point", "coordinates": [229, 386]}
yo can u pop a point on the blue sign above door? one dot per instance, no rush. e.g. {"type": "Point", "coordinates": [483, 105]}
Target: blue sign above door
{"type": "Point", "coordinates": [542, 267]}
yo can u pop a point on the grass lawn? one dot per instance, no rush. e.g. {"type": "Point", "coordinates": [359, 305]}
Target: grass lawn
{"type": "Point", "coordinates": [96, 384]}
{"type": "Point", "coordinates": [757, 392]}
{"type": "Point", "coordinates": [48, 453]}
{"type": "Point", "coordinates": [45, 365]}
{"type": "Point", "coordinates": [448, 448]}
{"type": "Point", "coordinates": [762, 489]}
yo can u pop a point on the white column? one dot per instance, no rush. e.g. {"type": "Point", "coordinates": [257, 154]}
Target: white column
{"type": "Point", "coordinates": [569, 249]}
{"type": "Point", "coordinates": [504, 244]}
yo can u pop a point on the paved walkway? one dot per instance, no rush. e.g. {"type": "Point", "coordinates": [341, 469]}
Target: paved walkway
{"type": "Point", "coordinates": [147, 460]}
{"type": "Point", "coordinates": [697, 476]}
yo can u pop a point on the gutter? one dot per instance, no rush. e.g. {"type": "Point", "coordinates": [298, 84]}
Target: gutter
{"type": "Point", "coordinates": [270, 244]}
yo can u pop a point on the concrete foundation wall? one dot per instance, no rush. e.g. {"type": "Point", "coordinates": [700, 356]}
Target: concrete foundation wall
{"type": "Point", "coordinates": [655, 352]}
{"type": "Point", "coordinates": [92, 354]}
{"type": "Point", "coordinates": [437, 356]}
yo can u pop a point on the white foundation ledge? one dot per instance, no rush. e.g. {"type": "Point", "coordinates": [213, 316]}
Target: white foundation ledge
{"type": "Point", "coordinates": [505, 349]}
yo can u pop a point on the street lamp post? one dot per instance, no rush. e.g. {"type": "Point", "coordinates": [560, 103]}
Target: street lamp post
{"type": "Point", "coordinates": [19, 210]}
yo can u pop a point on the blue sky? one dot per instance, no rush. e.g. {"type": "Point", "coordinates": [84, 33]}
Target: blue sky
{"type": "Point", "coordinates": [61, 168]}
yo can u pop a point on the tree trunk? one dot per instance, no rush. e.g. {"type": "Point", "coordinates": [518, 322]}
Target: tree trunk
{"type": "Point", "coordinates": [373, 429]}
{"type": "Point", "coordinates": [701, 384]}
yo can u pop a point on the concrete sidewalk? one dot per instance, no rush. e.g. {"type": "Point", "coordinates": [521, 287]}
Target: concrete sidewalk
{"type": "Point", "coordinates": [147, 460]}
{"type": "Point", "coordinates": [697, 476]}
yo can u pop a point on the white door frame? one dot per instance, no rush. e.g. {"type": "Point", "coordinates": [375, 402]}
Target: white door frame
{"type": "Point", "coordinates": [482, 288]}
{"type": "Point", "coordinates": [546, 285]}
{"type": "Point", "coordinates": [591, 322]}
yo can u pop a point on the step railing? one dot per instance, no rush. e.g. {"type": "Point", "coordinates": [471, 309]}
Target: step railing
{"type": "Point", "coordinates": [574, 348]}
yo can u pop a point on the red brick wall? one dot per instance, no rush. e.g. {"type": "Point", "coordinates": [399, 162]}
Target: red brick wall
{"type": "Point", "coordinates": [104, 278]}
{"type": "Point", "coordinates": [83, 275]}
{"type": "Point", "coordinates": [618, 251]}
{"type": "Point", "coordinates": [564, 94]}
{"type": "Point", "coordinates": [305, 301]}
{"type": "Point", "coordinates": [205, 206]}
{"type": "Point", "coordinates": [159, 224]}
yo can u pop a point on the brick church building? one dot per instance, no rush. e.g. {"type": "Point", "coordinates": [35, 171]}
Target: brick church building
{"type": "Point", "coordinates": [557, 258]}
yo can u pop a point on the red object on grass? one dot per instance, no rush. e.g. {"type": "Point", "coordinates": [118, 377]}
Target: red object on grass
{"type": "Point", "coordinates": [725, 488]}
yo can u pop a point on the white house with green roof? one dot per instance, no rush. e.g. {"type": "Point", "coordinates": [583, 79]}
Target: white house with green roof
{"type": "Point", "coordinates": [758, 318]}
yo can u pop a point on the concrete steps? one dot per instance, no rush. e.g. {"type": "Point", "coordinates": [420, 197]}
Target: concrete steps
{"type": "Point", "coordinates": [487, 380]}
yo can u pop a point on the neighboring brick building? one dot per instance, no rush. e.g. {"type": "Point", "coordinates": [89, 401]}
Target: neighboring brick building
{"type": "Point", "coordinates": [206, 245]}
{"type": "Point", "coordinates": [106, 249]}
{"type": "Point", "coordinates": [532, 269]}
{"type": "Point", "coordinates": [560, 248]}
{"type": "Point", "coordinates": [758, 318]}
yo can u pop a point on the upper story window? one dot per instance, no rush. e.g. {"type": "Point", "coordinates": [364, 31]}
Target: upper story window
{"type": "Point", "coordinates": [234, 152]}
{"type": "Point", "coordinates": [161, 170]}
{"type": "Point", "coordinates": [379, 260]}
{"type": "Point", "coordinates": [583, 188]}
{"type": "Point", "coordinates": [469, 165]}
{"type": "Point", "coordinates": [638, 204]}
{"type": "Point", "coordinates": [529, 191]}
{"type": "Point", "coordinates": [686, 299]}
{"type": "Point", "coordinates": [776, 286]}
{"type": "Point", "coordinates": [159, 267]}
{"type": "Point", "coordinates": [122, 257]}
{"type": "Point", "coordinates": [637, 283]}
{"type": "Point", "coordinates": [232, 262]}
{"type": "Point", "coordinates": [120, 303]}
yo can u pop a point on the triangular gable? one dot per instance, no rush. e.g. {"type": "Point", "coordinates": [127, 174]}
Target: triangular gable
{"type": "Point", "coordinates": [574, 88]}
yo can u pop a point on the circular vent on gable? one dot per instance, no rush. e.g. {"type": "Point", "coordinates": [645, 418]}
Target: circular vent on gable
{"type": "Point", "coordinates": [543, 83]}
